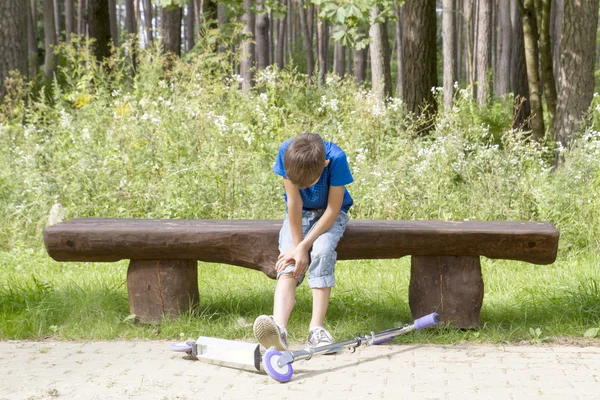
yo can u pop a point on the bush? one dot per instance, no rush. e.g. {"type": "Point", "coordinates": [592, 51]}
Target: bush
{"type": "Point", "coordinates": [185, 142]}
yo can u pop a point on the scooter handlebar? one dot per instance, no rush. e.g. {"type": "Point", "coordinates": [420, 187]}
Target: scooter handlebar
{"type": "Point", "coordinates": [427, 321]}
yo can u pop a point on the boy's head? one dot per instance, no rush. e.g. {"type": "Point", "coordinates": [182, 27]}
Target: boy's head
{"type": "Point", "coordinates": [304, 159]}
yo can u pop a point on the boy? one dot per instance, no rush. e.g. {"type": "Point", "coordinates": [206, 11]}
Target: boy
{"type": "Point", "coordinates": [314, 177]}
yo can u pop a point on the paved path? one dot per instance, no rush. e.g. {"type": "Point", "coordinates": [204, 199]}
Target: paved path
{"type": "Point", "coordinates": [149, 370]}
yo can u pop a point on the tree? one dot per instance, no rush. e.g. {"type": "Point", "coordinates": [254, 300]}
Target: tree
{"type": "Point", "coordinates": [545, 47]}
{"type": "Point", "coordinates": [81, 12]}
{"type": "Point", "coordinates": [576, 71]}
{"type": "Point", "coordinates": [262, 35]}
{"type": "Point", "coordinates": [503, 69]}
{"type": "Point", "coordinates": [306, 38]}
{"type": "Point", "coordinates": [322, 48]}
{"type": "Point", "coordinates": [57, 24]}
{"type": "Point", "coordinates": [399, 50]}
{"type": "Point", "coordinates": [556, 18]}
{"type": "Point", "coordinates": [190, 37]}
{"type": "Point", "coordinates": [484, 49]}
{"type": "Point", "coordinates": [98, 21]}
{"type": "Point", "coordinates": [518, 73]}
{"type": "Point", "coordinates": [381, 78]}
{"type": "Point", "coordinates": [468, 23]}
{"type": "Point", "coordinates": [49, 40]}
{"type": "Point", "coordinates": [247, 62]}
{"type": "Point", "coordinates": [32, 46]}
{"type": "Point", "coordinates": [360, 63]}
{"type": "Point", "coordinates": [530, 35]}
{"type": "Point", "coordinates": [281, 37]}
{"type": "Point", "coordinates": [171, 29]}
{"type": "Point", "coordinates": [420, 57]}
{"type": "Point", "coordinates": [131, 26]}
{"type": "Point", "coordinates": [69, 20]}
{"type": "Point", "coordinates": [112, 17]}
{"type": "Point", "coordinates": [13, 39]}
{"type": "Point", "coordinates": [449, 43]}
{"type": "Point", "coordinates": [147, 6]}
{"type": "Point", "coordinates": [339, 59]}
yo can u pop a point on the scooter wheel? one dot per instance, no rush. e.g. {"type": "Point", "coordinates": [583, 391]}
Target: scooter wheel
{"type": "Point", "coordinates": [181, 347]}
{"type": "Point", "coordinates": [281, 374]}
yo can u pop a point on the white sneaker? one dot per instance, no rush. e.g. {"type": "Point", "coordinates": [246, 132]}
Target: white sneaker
{"type": "Point", "coordinates": [318, 337]}
{"type": "Point", "coordinates": [269, 333]}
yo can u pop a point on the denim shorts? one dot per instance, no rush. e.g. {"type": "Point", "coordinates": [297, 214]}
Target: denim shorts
{"type": "Point", "coordinates": [322, 254]}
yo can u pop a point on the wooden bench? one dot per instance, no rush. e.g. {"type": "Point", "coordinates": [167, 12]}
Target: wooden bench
{"type": "Point", "coordinates": [162, 278]}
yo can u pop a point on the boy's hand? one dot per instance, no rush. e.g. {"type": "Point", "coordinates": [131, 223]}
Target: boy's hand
{"type": "Point", "coordinates": [297, 255]}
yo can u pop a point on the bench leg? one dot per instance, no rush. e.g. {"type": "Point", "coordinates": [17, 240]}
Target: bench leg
{"type": "Point", "coordinates": [451, 286]}
{"type": "Point", "coordinates": [160, 288]}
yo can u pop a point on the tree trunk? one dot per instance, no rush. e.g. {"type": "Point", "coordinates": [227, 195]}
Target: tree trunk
{"type": "Point", "coordinates": [222, 20]}
{"type": "Point", "coordinates": [32, 37]}
{"type": "Point", "coordinates": [147, 6]}
{"type": "Point", "coordinates": [399, 50]}
{"type": "Point", "coordinates": [420, 59]}
{"type": "Point", "coordinates": [557, 11]}
{"type": "Point", "coordinates": [13, 40]}
{"type": "Point", "coordinates": [518, 75]}
{"type": "Point", "coordinates": [247, 61]}
{"type": "Point", "coordinates": [306, 39]}
{"type": "Point", "coordinates": [57, 24]}
{"type": "Point", "coordinates": [322, 45]}
{"type": "Point", "coordinates": [171, 29]}
{"type": "Point", "coordinates": [81, 19]}
{"type": "Point", "coordinates": [503, 69]}
{"type": "Point", "coordinates": [531, 57]}
{"type": "Point", "coordinates": [459, 26]}
{"type": "Point", "coordinates": [360, 65]}
{"type": "Point", "coordinates": [99, 27]}
{"type": "Point", "coordinates": [576, 73]}
{"type": "Point", "coordinates": [130, 24]}
{"type": "Point", "coordinates": [468, 22]}
{"type": "Point", "coordinates": [262, 35]}
{"type": "Point", "coordinates": [495, 41]}
{"type": "Point", "coordinates": [130, 17]}
{"type": "Point", "coordinates": [281, 37]}
{"type": "Point", "coordinates": [543, 12]}
{"type": "Point", "coordinates": [381, 79]}
{"type": "Point", "coordinates": [484, 41]}
{"type": "Point", "coordinates": [69, 20]}
{"type": "Point", "coordinates": [189, 27]}
{"type": "Point", "coordinates": [114, 24]}
{"type": "Point", "coordinates": [339, 59]}
{"type": "Point", "coordinates": [49, 40]}
{"type": "Point", "coordinates": [449, 43]}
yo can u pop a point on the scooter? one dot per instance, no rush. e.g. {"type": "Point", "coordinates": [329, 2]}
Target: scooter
{"type": "Point", "coordinates": [277, 364]}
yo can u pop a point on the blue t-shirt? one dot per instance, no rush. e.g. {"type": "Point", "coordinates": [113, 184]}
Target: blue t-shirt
{"type": "Point", "coordinates": [337, 173]}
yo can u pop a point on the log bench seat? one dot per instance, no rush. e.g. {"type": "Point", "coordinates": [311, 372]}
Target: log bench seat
{"type": "Point", "coordinates": [162, 278]}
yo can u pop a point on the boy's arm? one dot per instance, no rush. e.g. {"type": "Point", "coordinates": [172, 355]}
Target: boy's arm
{"type": "Point", "coordinates": [294, 203]}
{"type": "Point", "coordinates": [334, 205]}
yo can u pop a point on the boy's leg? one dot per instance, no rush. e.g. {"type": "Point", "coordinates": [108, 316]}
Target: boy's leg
{"type": "Point", "coordinates": [321, 274]}
{"type": "Point", "coordinates": [284, 299]}
{"type": "Point", "coordinates": [319, 306]}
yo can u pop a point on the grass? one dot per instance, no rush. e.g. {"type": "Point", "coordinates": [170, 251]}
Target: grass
{"type": "Point", "coordinates": [42, 299]}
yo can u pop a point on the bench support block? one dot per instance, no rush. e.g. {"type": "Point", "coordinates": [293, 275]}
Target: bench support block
{"type": "Point", "coordinates": [451, 286]}
{"type": "Point", "coordinates": [160, 288]}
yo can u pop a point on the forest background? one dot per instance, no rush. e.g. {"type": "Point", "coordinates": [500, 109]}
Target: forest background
{"type": "Point", "coordinates": [450, 110]}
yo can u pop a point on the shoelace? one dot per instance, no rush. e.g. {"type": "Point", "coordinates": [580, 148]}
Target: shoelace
{"type": "Point", "coordinates": [322, 336]}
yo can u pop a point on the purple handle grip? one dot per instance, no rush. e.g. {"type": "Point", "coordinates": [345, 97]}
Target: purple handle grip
{"type": "Point", "coordinates": [427, 321]}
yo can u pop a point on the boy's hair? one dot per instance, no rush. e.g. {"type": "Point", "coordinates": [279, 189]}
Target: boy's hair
{"type": "Point", "coordinates": [304, 159]}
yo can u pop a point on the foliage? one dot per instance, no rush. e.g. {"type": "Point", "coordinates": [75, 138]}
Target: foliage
{"type": "Point", "coordinates": [185, 142]}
